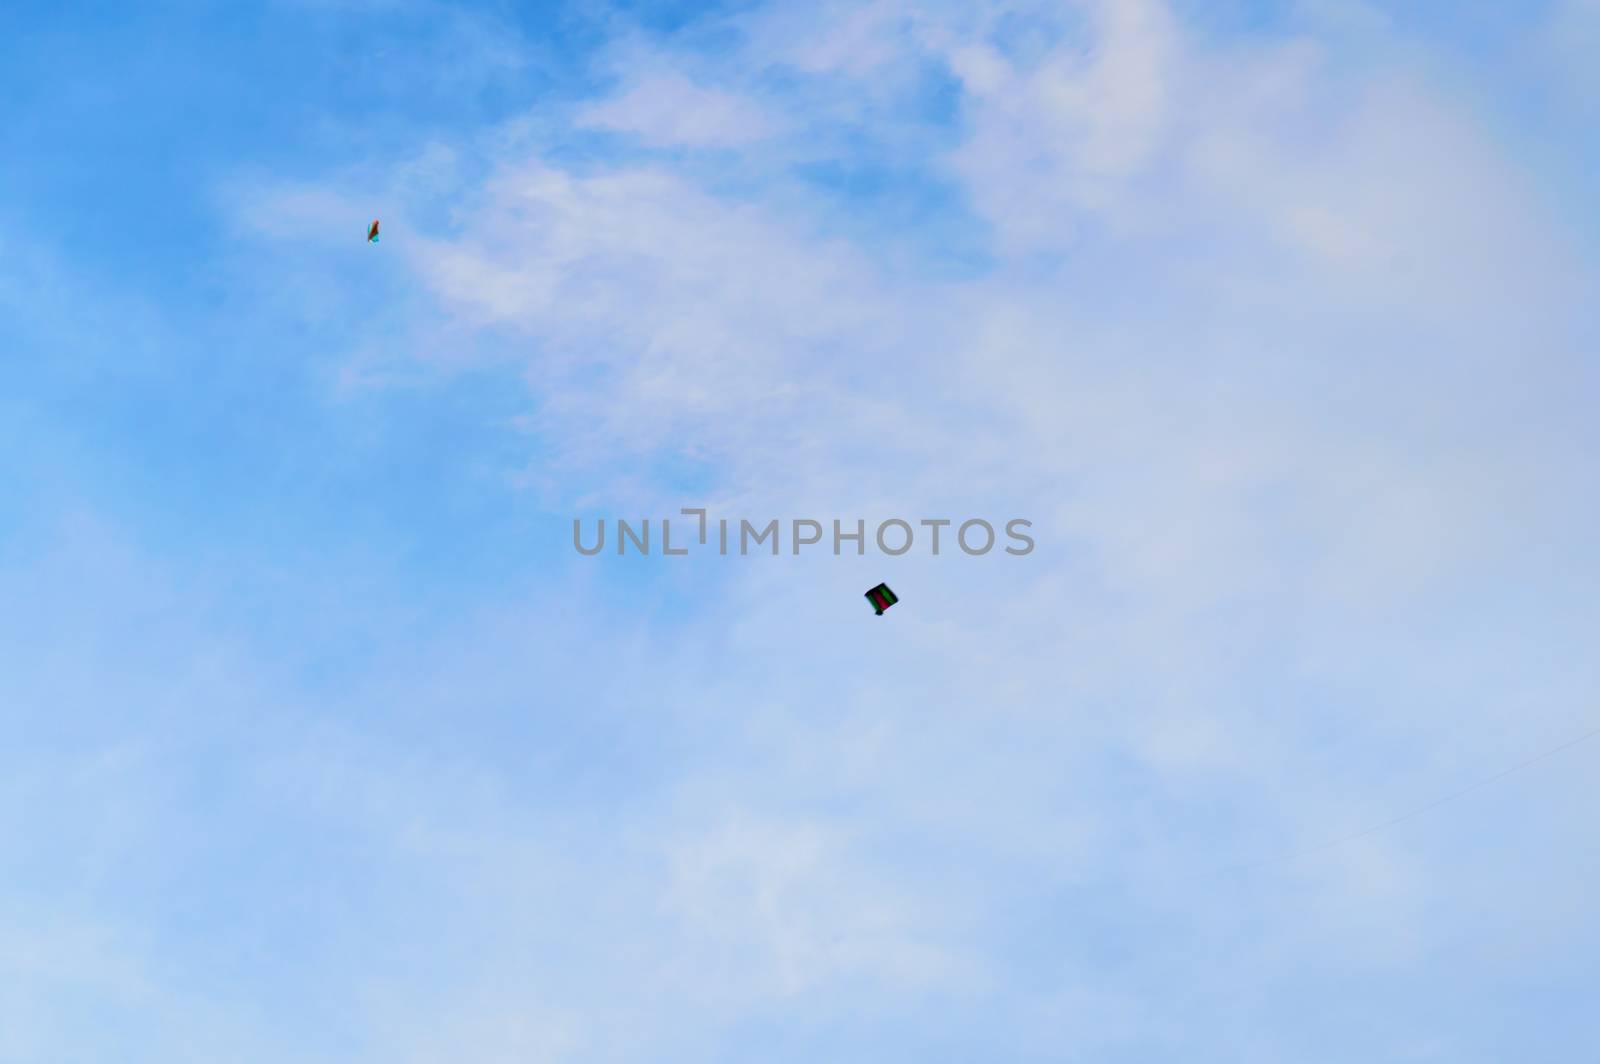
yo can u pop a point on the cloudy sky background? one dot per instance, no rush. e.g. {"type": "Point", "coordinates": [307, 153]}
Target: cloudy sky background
{"type": "Point", "coordinates": [320, 742]}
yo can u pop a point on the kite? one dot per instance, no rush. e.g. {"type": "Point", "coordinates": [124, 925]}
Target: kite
{"type": "Point", "coordinates": [372, 232]}
{"type": "Point", "coordinates": [881, 598]}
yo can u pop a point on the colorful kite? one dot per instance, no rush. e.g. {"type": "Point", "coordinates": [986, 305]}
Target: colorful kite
{"type": "Point", "coordinates": [372, 233]}
{"type": "Point", "coordinates": [881, 598]}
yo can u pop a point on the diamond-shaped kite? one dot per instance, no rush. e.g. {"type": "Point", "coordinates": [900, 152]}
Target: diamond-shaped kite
{"type": "Point", "coordinates": [881, 598]}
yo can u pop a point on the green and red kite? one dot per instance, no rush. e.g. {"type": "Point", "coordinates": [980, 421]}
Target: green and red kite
{"type": "Point", "coordinates": [881, 598]}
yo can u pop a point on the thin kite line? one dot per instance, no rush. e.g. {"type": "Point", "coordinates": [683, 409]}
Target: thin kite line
{"type": "Point", "coordinates": [1419, 810]}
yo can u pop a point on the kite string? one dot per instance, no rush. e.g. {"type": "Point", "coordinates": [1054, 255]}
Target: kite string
{"type": "Point", "coordinates": [1421, 809]}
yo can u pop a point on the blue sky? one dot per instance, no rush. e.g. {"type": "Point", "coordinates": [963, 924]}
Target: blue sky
{"type": "Point", "coordinates": [321, 743]}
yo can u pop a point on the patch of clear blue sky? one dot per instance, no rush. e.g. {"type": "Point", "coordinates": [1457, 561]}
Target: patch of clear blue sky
{"type": "Point", "coordinates": [160, 379]}
{"type": "Point", "coordinates": [887, 191]}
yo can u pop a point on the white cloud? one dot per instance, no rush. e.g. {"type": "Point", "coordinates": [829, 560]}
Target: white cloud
{"type": "Point", "coordinates": [1066, 135]}
{"type": "Point", "coordinates": [669, 109]}
{"type": "Point", "coordinates": [703, 319]}
{"type": "Point", "coordinates": [795, 895]}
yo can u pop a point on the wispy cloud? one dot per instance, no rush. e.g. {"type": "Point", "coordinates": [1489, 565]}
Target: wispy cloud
{"type": "Point", "coordinates": [670, 110]}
